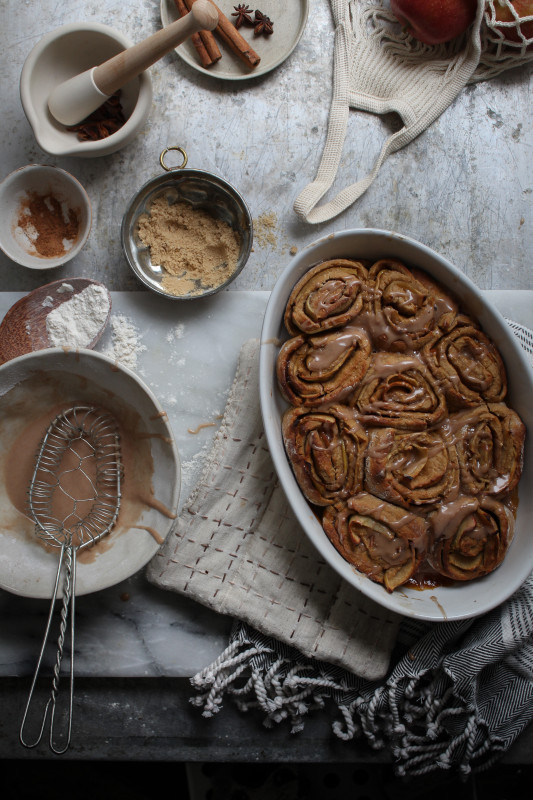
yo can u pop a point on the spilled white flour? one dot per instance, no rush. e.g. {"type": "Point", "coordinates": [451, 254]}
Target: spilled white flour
{"type": "Point", "coordinates": [76, 322]}
{"type": "Point", "coordinates": [126, 342]}
{"type": "Point", "coordinates": [177, 332]}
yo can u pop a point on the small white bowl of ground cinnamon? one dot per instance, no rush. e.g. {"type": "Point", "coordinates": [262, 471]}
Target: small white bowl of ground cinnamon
{"type": "Point", "coordinates": [45, 216]}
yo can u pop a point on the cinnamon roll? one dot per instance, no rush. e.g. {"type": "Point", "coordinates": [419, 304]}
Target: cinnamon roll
{"type": "Point", "coordinates": [381, 540]}
{"type": "Point", "coordinates": [468, 366]}
{"type": "Point", "coordinates": [398, 391]}
{"type": "Point", "coordinates": [328, 296]}
{"type": "Point", "coordinates": [418, 468]}
{"type": "Point", "coordinates": [414, 308]}
{"type": "Point", "coordinates": [470, 537]}
{"type": "Point", "coordinates": [399, 428]}
{"type": "Point", "coordinates": [326, 451]}
{"type": "Point", "coordinates": [490, 444]}
{"type": "Point", "coordinates": [319, 369]}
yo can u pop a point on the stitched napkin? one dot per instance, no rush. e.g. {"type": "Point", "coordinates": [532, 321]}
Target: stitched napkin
{"type": "Point", "coordinates": [238, 548]}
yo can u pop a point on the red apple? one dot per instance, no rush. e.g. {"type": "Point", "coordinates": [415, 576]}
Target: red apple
{"type": "Point", "coordinates": [434, 21]}
{"type": "Point", "coordinates": [524, 8]}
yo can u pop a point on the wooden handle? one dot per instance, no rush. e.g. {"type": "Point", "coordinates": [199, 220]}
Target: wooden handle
{"type": "Point", "coordinates": [115, 73]}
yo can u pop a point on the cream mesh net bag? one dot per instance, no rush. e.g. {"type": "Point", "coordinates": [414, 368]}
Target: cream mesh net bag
{"type": "Point", "coordinates": [379, 68]}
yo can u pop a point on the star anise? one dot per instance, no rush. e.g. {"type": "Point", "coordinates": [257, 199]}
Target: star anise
{"type": "Point", "coordinates": [106, 120]}
{"type": "Point", "coordinates": [262, 24]}
{"type": "Point", "coordinates": [243, 14]}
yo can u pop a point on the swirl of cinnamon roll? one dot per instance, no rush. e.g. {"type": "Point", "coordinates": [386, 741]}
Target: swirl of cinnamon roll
{"type": "Point", "coordinates": [320, 369]}
{"type": "Point", "coordinates": [414, 308]}
{"type": "Point", "coordinates": [381, 540]}
{"type": "Point", "coordinates": [490, 443]}
{"type": "Point", "coordinates": [467, 365]}
{"type": "Point", "coordinates": [398, 391]}
{"type": "Point", "coordinates": [409, 468]}
{"type": "Point", "coordinates": [326, 452]}
{"type": "Point", "coordinates": [328, 296]}
{"type": "Point", "coordinates": [470, 537]}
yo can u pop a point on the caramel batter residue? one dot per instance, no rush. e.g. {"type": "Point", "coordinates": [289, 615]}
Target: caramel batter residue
{"type": "Point", "coordinates": [25, 413]}
{"type": "Point", "coordinates": [201, 427]}
{"type": "Point", "coordinates": [152, 531]}
{"type": "Point", "coordinates": [161, 415]}
{"type": "Point", "coordinates": [150, 435]}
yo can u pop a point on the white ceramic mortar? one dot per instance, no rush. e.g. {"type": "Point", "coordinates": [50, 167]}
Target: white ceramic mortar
{"type": "Point", "coordinates": [61, 54]}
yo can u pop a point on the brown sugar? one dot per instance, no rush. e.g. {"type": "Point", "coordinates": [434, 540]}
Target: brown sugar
{"type": "Point", "coordinates": [265, 227]}
{"type": "Point", "coordinates": [196, 251]}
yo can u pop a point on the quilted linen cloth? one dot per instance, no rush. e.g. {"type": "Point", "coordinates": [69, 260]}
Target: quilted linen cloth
{"type": "Point", "coordinates": [238, 549]}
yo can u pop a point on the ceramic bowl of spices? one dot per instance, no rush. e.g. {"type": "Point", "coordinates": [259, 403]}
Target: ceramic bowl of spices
{"type": "Point", "coordinates": [187, 233]}
{"type": "Point", "coordinates": [45, 216]}
{"type": "Point", "coordinates": [58, 56]}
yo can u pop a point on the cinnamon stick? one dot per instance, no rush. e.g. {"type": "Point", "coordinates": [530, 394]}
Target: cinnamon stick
{"type": "Point", "coordinates": [206, 37]}
{"type": "Point", "coordinates": [207, 57]}
{"type": "Point", "coordinates": [232, 38]}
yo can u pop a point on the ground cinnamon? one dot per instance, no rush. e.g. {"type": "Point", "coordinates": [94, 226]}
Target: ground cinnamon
{"type": "Point", "coordinates": [48, 227]}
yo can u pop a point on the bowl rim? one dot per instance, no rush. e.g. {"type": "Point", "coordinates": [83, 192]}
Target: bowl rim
{"type": "Point", "coordinates": [71, 179]}
{"type": "Point", "coordinates": [102, 146]}
{"type": "Point", "coordinates": [171, 176]}
{"type": "Point", "coordinates": [401, 601]}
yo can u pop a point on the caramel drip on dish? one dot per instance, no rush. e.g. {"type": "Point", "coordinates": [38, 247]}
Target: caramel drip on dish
{"type": "Point", "coordinates": [201, 427]}
{"type": "Point", "coordinates": [152, 531]}
{"type": "Point", "coordinates": [147, 435]}
{"type": "Point", "coordinates": [153, 502]}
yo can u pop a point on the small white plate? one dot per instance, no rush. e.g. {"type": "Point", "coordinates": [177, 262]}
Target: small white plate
{"type": "Point", "coordinates": [289, 20]}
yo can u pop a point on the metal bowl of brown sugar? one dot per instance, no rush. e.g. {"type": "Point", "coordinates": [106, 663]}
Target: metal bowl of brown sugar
{"type": "Point", "coordinates": [187, 233]}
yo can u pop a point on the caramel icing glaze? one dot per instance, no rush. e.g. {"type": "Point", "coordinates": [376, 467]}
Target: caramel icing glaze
{"type": "Point", "coordinates": [398, 429]}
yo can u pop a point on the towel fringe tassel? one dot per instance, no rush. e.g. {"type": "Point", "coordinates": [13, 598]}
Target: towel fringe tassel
{"type": "Point", "coordinates": [422, 723]}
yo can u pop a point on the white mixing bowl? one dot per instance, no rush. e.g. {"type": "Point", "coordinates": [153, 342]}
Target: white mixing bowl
{"type": "Point", "coordinates": [26, 567]}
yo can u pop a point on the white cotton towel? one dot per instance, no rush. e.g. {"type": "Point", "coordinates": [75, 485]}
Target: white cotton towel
{"type": "Point", "coordinates": [238, 549]}
{"type": "Point", "coordinates": [379, 68]}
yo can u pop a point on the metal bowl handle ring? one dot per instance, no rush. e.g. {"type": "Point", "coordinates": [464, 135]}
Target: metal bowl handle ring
{"type": "Point", "coordinates": [178, 166]}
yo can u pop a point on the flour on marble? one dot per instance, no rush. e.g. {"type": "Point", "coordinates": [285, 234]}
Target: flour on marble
{"type": "Point", "coordinates": [126, 341]}
{"type": "Point", "coordinates": [178, 332]}
{"type": "Point", "coordinates": [77, 322]}
{"type": "Point", "coordinates": [192, 468]}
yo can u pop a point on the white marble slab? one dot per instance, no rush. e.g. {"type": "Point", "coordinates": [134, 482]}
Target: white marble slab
{"type": "Point", "coordinates": [187, 354]}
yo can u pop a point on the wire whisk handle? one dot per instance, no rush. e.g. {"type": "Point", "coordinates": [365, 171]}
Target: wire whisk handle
{"type": "Point", "coordinates": [79, 462]}
{"type": "Point", "coordinates": [68, 560]}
